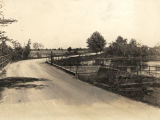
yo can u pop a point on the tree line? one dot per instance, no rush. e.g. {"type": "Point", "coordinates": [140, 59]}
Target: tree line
{"type": "Point", "coordinates": [15, 49]}
{"type": "Point", "coordinates": [120, 47]}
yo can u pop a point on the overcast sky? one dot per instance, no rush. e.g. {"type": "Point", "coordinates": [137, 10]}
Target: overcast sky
{"type": "Point", "coordinates": [64, 23]}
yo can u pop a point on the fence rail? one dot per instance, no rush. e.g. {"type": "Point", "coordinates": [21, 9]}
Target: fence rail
{"type": "Point", "coordinates": [137, 69]}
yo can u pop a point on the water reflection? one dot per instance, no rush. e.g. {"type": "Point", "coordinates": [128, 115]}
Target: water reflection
{"type": "Point", "coordinates": [145, 92]}
{"type": "Point", "coordinates": [143, 82]}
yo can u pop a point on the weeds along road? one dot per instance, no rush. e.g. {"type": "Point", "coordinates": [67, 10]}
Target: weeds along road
{"type": "Point", "coordinates": [38, 91]}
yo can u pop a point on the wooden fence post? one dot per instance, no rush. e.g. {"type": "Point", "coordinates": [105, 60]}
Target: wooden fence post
{"type": "Point", "coordinates": [51, 58]}
{"type": "Point", "coordinates": [156, 70]}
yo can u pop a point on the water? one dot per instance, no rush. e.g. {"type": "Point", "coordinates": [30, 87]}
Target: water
{"type": "Point", "coordinates": [153, 63]}
{"type": "Point", "coordinates": [152, 94]}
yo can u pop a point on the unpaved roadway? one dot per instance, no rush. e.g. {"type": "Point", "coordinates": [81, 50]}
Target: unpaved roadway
{"type": "Point", "coordinates": [38, 91]}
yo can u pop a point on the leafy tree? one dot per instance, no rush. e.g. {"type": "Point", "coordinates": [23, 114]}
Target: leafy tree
{"type": "Point", "coordinates": [69, 49]}
{"type": "Point", "coordinates": [4, 48]}
{"type": "Point", "coordinates": [6, 21]}
{"type": "Point", "coordinates": [154, 51]}
{"type": "Point", "coordinates": [96, 42]}
{"type": "Point", "coordinates": [38, 46]}
{"type": "Point", "coordinates": [119, 47]}
{"type": "Point", "coordinates": [133, 48]}
{"type": "Point", "coordinates": [144, 51]}
{"type": "Point", "coordinates": [17, 54]}
{"type": "Point", "coordinates": [27, 50]}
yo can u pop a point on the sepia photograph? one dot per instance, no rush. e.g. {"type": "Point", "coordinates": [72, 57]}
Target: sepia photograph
{"type": "Point", "coordinates": [79, 60]}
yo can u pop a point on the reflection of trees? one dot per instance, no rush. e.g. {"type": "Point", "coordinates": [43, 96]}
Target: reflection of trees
{"type": "Point", "coordinates": [125, 63]}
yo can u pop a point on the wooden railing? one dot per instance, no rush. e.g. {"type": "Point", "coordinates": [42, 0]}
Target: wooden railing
{"type": "Point", "coordinates": [137, 69]}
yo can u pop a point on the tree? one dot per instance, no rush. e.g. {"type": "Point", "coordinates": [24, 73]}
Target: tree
{"type": "Point", "coordinates": [17, 54]}
{"type": "Point", "coordinates": [144, 51]}
{"type": "Point", "coordinates": [38, 46]}
{"type": "Point", "coordinates": [4, 48]}
{"type": "Point", "coordinates": [6, 21]}
{"type": "Point", "coordinates": [118, 48]}
{"type": "Point", "coordinates": [134, 48]}
{"type": "Point", "coordinates": [96, 42]}
{"type": "Point", "coordinates": [27, 50]}
{"type": "Point", "coordinates": [35, 45]}
{"type": "Point", "coordinates": [69, 49]}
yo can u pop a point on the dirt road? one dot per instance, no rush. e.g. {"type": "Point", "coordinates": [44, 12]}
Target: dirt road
{"type": "Point", "coordinates": [38, 91]}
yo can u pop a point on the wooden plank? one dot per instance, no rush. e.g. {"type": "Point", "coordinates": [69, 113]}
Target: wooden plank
{"type": "Point", "coordinates": [130, 84]}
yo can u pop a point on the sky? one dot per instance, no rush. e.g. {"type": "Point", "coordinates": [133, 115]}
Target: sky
{"type": "Point", "coordinates": [64, 23]}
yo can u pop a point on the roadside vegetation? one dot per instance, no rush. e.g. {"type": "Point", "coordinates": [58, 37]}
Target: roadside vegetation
{"type": "Point", "coordinates": [9, 47]}
{"type": "Point", "coordinates": [121, 47]}
{"type": "Point", "coordinates": [15, 50]}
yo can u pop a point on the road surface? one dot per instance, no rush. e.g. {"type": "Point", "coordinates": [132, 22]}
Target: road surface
{"type": "Point", "coordinates": [33, 90]}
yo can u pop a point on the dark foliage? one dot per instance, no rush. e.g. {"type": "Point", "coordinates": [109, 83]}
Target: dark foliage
{"type": "Point", "coordinates": [96, 42]}
{"type": "Point", "coordinates": [122, 48]}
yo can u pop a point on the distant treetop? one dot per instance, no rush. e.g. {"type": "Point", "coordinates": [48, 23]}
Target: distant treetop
{"type": "Point", "coordinates": [96, 42]}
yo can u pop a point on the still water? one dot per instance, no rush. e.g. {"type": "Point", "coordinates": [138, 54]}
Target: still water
{"type": "Point", "coordinates": [152, 96]}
